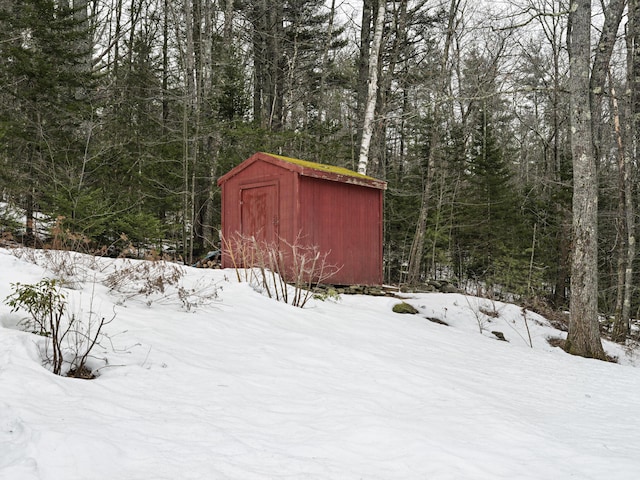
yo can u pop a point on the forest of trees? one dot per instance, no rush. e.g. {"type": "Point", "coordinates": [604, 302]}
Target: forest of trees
{"type": "Point", "coordinates": [118, 116]}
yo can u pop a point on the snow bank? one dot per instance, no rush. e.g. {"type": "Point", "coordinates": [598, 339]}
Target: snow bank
{"type": "Point", "coordinates": [248, 388]}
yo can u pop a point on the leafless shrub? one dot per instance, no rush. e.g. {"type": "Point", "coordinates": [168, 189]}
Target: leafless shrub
{"type": "Point", "coordinates": [490, 312]}
{"type": "Point", "coordinates": [158, 281]}
{"type": "Point", "coordinates": [201, 294]}
{"type": "Point", "coordinates": [70, 338]}
{"type": "Point", "coordinates": [26, 254]}
{"type": "Point", "coordinates": [289, 272]}
{"type": "Point", "coordinates": [85, 334]}
{"type": "Point", "coordinates": [68, 267]}
{"type": "Point", "coordinates": [526, 325]}
{"type": "Point", "coordinates": [242, 255]}
{"type": "Point", "coordinates": [557, 318]}
{"type": "Point", "coordinates": [143, 278]}
{"type": "Point", "coordinates": [556, 342]}
{"type": "Point", "coordinates": [64, 239]}
{"type": "Point", "coordinates": [632, 348]}
{"type": "Point", "coordinates": [481, 319]}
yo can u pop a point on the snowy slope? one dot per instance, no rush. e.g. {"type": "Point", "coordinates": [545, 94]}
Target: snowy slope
{"type": "Point", "coordinates": [248, 388]}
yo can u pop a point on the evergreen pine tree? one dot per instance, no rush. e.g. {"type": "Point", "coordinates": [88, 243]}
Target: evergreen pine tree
{"type": "Point", "coordinates": [489, 224]}
{"type": "Point", "coordinates": [46, 109]}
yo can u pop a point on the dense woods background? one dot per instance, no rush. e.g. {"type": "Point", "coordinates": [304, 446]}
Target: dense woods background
{"type": "Point", "coordinates": [118, 116]}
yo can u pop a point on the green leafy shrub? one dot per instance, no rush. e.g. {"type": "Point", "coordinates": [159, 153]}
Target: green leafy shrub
{"type": "Point", "coordinates": [46, 304]}
{"type": "Point", "coordinates": [43, 301]}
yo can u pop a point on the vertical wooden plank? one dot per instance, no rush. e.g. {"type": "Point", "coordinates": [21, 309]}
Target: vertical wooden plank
{"type": "Point", "coordinates": [259, 216]}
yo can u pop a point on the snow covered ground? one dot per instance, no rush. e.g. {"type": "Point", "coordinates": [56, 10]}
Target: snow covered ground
{"type": "Point", "coordinates": [244, 387]}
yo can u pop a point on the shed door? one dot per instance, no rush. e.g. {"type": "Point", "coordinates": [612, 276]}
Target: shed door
{"type": "Point", "coordinates": [259, 212]}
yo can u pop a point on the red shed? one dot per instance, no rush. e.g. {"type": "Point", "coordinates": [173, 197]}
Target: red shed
{"type": "Point", "coordinates": [285, 201]}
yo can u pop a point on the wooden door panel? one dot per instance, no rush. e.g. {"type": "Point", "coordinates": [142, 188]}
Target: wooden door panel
{"type": "Point", "coordinates": [259, 212]}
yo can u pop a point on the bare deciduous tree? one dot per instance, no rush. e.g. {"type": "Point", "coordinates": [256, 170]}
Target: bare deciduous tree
{"type": "Point", "coordinates": [584, 335]}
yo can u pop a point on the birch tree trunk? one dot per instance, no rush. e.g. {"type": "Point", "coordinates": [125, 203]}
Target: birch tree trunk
{"type": "Point", "coordinates": [372, 92]}
{"type": "Point", "coordinates": [363, 72]}
{"type": "Point", "coordinates": [584, 336]}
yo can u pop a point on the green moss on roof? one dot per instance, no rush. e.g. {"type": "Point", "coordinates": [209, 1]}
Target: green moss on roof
{"type": "Point", "coordinates": [322, 167]}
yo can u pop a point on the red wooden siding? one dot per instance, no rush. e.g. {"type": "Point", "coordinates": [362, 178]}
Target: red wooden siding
{"type": "Point", "coordinates": [254, 187]}
{"type": "Point", "coordinates": [282, 201]}
{"type": "Point", "coordinates": [259, 212]}
{"type": "Point", "coordinates": [345, 220]}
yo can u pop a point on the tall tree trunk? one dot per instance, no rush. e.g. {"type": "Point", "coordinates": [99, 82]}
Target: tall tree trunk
{"type": "Point", "coordinates": [258, 13]}
{"type": "Point", "coordinates": [564, 255]}
{"type": "Point", "coordinates": [275, 55]}
{"type": "Point", "coordinates": [210, 230]}
{"type": "Point", "coordinates": [395, 55]}
{"type": "Point", "coordinates": [584, 334]}
{"type": "Point", "coordinates": [626, 207]}
{"type": "Point", "coordinates": [189, 145]}
{"type": "Point", "coordinates": [325, 63]}
{"type": "Point", "coordinates": [599, 72]}
{"type": "Point", "coordinates": [620, 325]}
{"type": "Point", "coordinates": [227, 28]}
{"type": "Point", "coordinates": [30, 220]}
{"type": "Point", "coordinates": [165, 66]}
{"type": "Point", "coordinates": [372, 91]}
{"type": "Point", "coordinates": [631, 160]}
{"type": "Point", "coordinates": [268, 103]}
{"type": "Point", "coordinates": [417, 246]}
{"type": "Point", "coordinates": [363, 69]}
